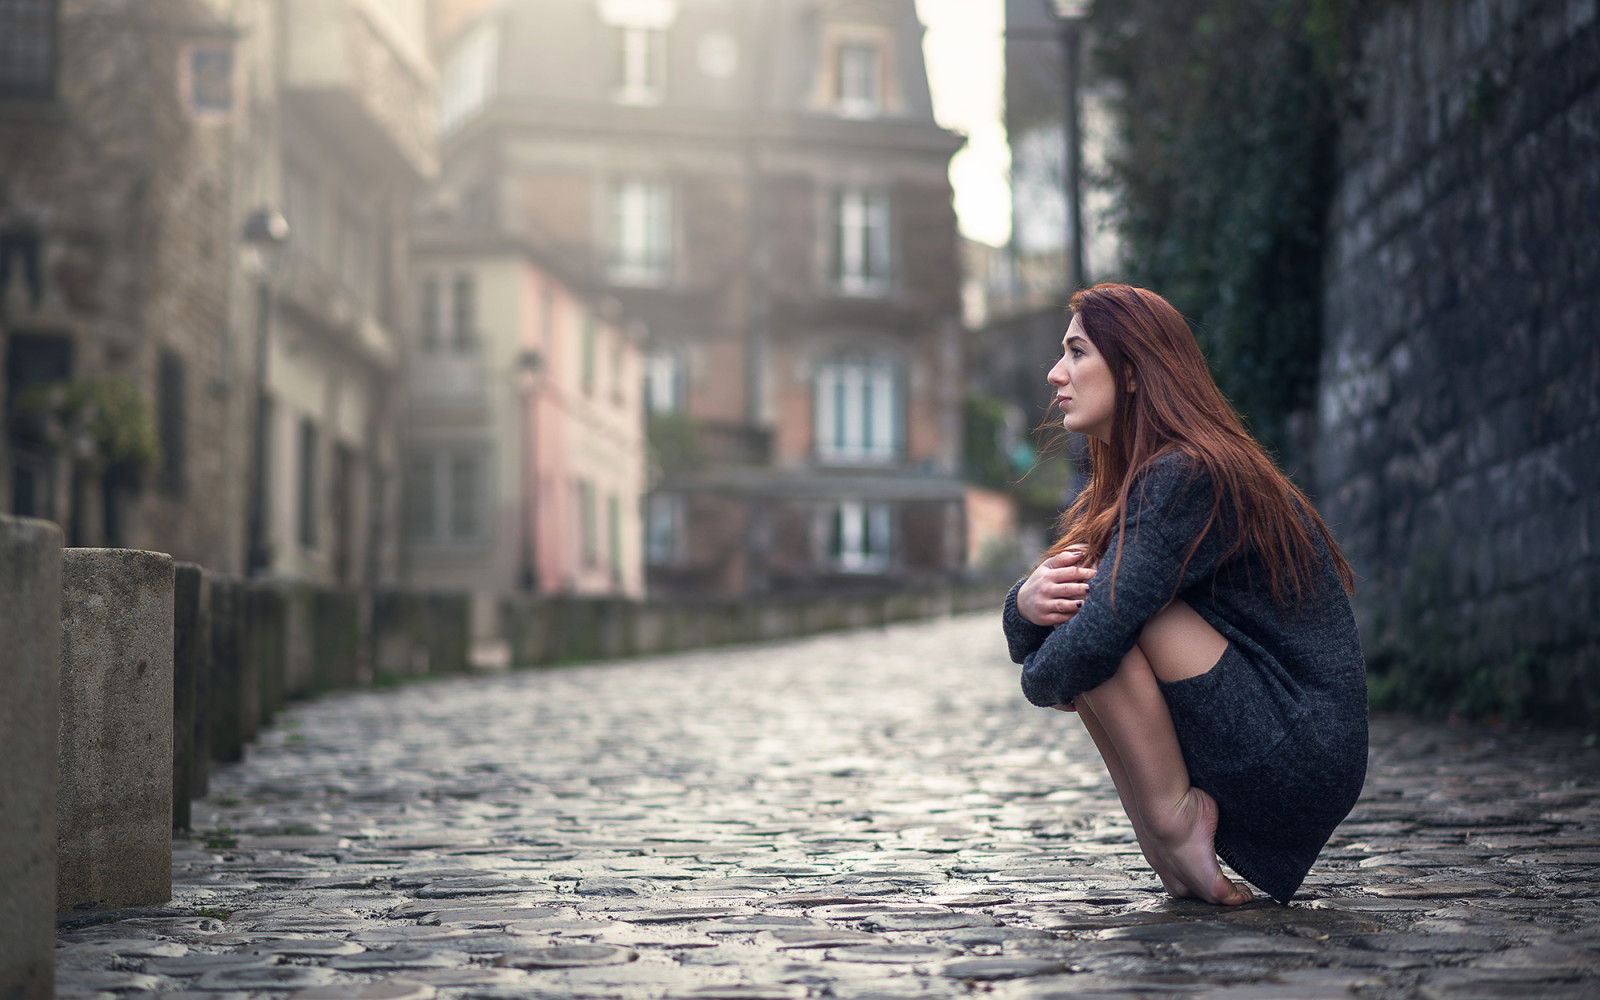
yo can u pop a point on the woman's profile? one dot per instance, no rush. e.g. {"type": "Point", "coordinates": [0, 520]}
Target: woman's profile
{"type": "Point", "coordinates": [1195, 614]}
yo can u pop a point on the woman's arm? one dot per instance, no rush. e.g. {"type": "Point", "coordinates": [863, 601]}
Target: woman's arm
{"type": "Point", "coordinates": [1165, 514]}
{"type": "Point", "coordinates": [1044, 599]}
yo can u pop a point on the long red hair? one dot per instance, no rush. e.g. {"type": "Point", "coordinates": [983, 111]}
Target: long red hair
{"type": "Point", "coordinates": [1167, 401]}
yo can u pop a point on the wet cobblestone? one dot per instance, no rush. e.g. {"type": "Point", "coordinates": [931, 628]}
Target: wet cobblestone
{"type": "Point", "coordinates": [874, 814]}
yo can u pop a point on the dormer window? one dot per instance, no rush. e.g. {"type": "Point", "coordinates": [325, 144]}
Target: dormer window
{"type": "Point", "coordinates": [641, 54]}
{"type": "Point", "coordinates": [638, 47]}
{"type": "Point", "coordinates": [859, 80]}
{"type": "Point", "coordinates": [467, 80]}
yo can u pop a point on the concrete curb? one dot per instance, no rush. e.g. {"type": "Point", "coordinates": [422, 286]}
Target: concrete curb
{"type": "Point", "coordinates": [114, 814]}
{"type": "Point", "coordinates": [30, 622]}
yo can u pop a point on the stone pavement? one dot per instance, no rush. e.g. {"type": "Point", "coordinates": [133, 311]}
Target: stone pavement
{"type": "Point", "coordinates": [873, 814]}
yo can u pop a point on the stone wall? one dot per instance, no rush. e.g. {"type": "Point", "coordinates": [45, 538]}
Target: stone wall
{"type": "Point", "coordinates": [1459, 425]}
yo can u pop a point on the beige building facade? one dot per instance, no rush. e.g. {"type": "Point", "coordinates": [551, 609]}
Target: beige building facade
{"type": "Point", "coordinates": [525, 453]}
{"type": "Point", "coordinates": [763, 184]}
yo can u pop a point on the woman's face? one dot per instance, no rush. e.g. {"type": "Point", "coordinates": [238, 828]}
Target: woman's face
{"type": "Point", "coordinates": [1086, 392]}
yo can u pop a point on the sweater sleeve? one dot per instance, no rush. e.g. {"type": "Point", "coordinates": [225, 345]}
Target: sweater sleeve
{"type": "Point", "coordinates": [1022, 636]}
{"type": "Point", "coordinates": [1166, 511]}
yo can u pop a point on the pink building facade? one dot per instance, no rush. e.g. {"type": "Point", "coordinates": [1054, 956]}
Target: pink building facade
{"type": "Point", "coordinates": [525, 452]}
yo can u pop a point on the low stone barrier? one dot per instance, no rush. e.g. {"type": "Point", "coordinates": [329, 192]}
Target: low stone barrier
{"type": "Point", "coordinates": [545, 631]}
{"type": "Point", "coordinates": [399, 646]}
{"type": "Point", "coordinates": [234, 699]}
{"type": "Point", "coordinates": [30, 677]}
{"type": "Point", "coordinates": [335, 639]}
{"type": "Point", "coordinates": [447, 617]}
{"type": "Point", "coordinates": [266, 646]}
{"type": "Point", "coordinates": [114, 811]}
{"type": "Point", "coordinates": [299, 638]}
{"type": "Point", "coordinates": [191, 649]}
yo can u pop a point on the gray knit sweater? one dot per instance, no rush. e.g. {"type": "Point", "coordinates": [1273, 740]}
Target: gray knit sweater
{"type": "Point", "coordinates": [1315, 643]}
{"type": "Point", "coordinates": [1276, 731]}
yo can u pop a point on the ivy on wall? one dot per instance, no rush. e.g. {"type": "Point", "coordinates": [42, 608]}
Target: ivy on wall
{"type": "Point", "coordinates": [1227, 120]}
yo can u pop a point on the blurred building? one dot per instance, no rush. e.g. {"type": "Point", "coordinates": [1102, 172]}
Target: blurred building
{"type": "Point", "coordinates": [336, 132]}
{"type": "Point", "coordinates": [525, 458]}
{"type": "Point", "coordinates": [762, 183]}
{"type": "Point", "coordinates": [135, 140]}
{"type": "Point", "coordinates": [117, 236]}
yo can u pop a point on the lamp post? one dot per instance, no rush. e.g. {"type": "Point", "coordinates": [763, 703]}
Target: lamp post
{"type": "Point", "coordinates": [1070, 15]}
{"type": "Point", "coordinates": [530, 363]}
{"type": "Point", "coordinates": [266, 233]}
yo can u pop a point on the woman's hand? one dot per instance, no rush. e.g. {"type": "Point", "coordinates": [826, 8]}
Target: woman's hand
{"type": "Point", "coordinates": [1055, 590]}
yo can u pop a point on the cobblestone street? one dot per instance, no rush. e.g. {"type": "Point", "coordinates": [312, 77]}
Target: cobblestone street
{"type": "Point", "coordinates": [874, 814]}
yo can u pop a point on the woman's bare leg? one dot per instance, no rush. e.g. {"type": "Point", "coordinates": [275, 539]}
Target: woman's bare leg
{"type": "Point", "coordinates": [1181, 820]}
{"type": "Point", "coordinates": [1119, 778]}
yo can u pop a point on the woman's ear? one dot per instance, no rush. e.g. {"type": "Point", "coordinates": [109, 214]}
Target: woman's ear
{"type": "Point", "coordinates": [1133, 381]}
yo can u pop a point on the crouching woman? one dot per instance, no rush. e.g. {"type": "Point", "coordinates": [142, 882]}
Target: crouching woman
{"type": "Point", "coordinates": [1195, 615]}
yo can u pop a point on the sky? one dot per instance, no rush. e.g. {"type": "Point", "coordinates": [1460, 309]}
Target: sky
{"type": "Point", "coordinates": [965, 51]}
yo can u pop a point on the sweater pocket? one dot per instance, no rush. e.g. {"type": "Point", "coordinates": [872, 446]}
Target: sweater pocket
{"type": "Point", "coordinates": [1230, 717]}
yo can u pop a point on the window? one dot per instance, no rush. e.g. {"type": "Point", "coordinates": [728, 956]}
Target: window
{"type": "Point", "coordinates": [464, 314]}
{"type": "Point", "coordinates": [663, 529]}
{"type": "Point", "coordinates": [859, 537]}
{"type": "Point", "coordinates": [467, 80]}
{"type": "Point", "coordinates": [171, 384]}
{"type": "Point", "coordinates": [302, 209]}
{"type": "Point", "coordinates": [355, 256]}
{"type": "Point", "coordinates": [447, 314]}
{"type": "Point", "coordinates": [446, 495]}
{"type": "Point", "coordinates": [28, 49]}
{"type": "Point", "coordinates": [860, 80]}
{"type": "Point", "coordinates": [861, 241]}
{"type": "Point", "coordinates": [640, 236]}
{"type": "Point", "coordinates": [590, 348]}
{"type": "Point", "coordinates": [429, 328]}
{"type": "Point", "coordinates": [641, 61]}
{"type": "Point", "coordinates": [207, 79]}
{"type": "Point", "coordinates": [614, 535]}
{"type": "Point", "coordinates": [857, 413]}
{"type": "Point", "coordinates": [664, 381]}
{"type": "Point", "coordinates": [588, 530]}
{"type": "Point", "coordinates": [308, 484]}
{"type": "Point", "coordinates": [466, 496]}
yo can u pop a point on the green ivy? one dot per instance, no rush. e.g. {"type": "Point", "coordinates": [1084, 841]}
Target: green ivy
{"type": "Point", "coordinates": [674, 445]}
{"type": "Point", "coordinates": [108, 413]}
{"type": "Point", "coordinates": [1227, 114]}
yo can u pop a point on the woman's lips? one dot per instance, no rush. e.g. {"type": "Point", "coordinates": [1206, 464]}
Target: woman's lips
{"type": "Point", "coordinates": [1062, 401]}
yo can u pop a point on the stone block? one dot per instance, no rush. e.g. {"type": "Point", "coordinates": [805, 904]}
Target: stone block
{"type": "Point", "coordinates": [577, 623]}
{"type": "Point", "coordinates": [652, 630]}
{"type": "Point", "coordinates": [299, 639]}
{"type": "Point", "coordinates": [30, 676]}
{"type": "Point", "coordinates": [266, 646]}
{"type": "Point", "coordinates": [234, 695]}
{"type": "Point", "coordinates": [191, 647]}
{"type": "Point", "coordinates": [114, 813]}
{"type": "Point", "coordinates": [335, 639]}
{"type": "Point", "coordinates": [399, 635]}
{"type": "Point", "coordinates": [448, 616]}
{"type": "Point", "coordinates": [614, 629]}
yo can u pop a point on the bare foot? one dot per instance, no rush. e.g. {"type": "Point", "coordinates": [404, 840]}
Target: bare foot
{"type": "Point", "coordinates": [1187, 846]}
{"type": "Point", "coordinates": [1169, 881]}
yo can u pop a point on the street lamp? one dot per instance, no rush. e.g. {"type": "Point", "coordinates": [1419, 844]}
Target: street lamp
{"type": "Point", "coordinates": [266, 234]}
{"type": "Point", "coordinates": [1070, 14]}
{"type": "Point", "coordinates": [529, 365]}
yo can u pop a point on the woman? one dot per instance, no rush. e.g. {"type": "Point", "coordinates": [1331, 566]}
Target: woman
{"type": "Point", "coordinates": [1194, 613]}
